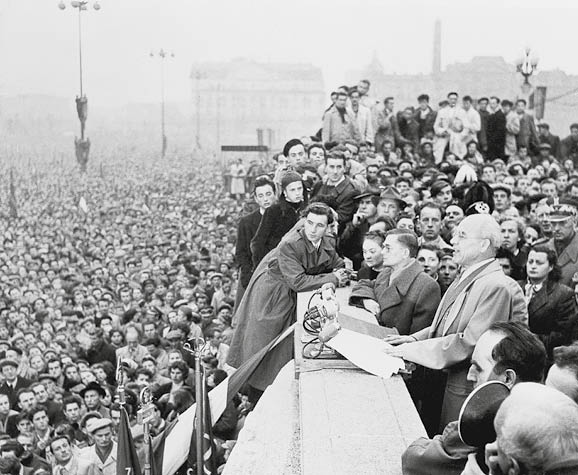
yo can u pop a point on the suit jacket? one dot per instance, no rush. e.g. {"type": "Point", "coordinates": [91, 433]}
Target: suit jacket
{"type": "Point", "coordinates": [496, 134]}
{"type": "Point", "coordinates": [11, 393]}
{"type": "Point", "coordinates": [553, 141]}
{"type": "Point", "coordinates": [247, 228]}
{"type": "Point", "coordinates": [407, 303]}
{"type": "Point", "coordinates": [552, 315]}
{"type": "Point", "coordinates": [568, 260]}
{"type": "Point", "coordinates": [488, 296]}
{"type": "Point", "coordinates": [343, 195]}
{"type": "Point", "coordinates": [426, 125]}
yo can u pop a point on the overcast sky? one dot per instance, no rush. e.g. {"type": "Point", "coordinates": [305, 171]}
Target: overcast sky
{"type": "Point", "coordinates": [38, 42]}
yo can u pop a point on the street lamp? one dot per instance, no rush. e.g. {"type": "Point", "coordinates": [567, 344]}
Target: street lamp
{"type": "Point", "coordinates": [526, 65]}
{"type": "Point", "coordinates": [82, 144]}
{"type": "Point", "coordinates": [162, 55]}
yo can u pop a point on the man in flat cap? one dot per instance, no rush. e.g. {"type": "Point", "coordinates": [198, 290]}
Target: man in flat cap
{"type": "Point", "coordinates": [562, 219]}
{"type": "Point", "coordinates": [546, 137]}
{"type": "Point", "coordinates": [101, 457]}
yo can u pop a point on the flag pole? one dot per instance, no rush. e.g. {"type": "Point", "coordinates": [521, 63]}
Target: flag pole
{"type": "Point", "coordinates": [120, 383]}
{"type": "Point", "coordinates": [146, 407]}
{"type": "Point", "coordinates": [197, 349]}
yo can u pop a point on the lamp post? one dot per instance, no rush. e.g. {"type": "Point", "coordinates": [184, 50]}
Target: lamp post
{"type": "Point", "coordinates": [162, 55]}
{"type": "Point", "coordinates": [82, 144]}
{"type": "Point", "coordinates": [527, 65]}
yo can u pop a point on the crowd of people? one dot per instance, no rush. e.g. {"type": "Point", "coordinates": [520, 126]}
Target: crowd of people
{"type": "Point", "coordinates": [450, 224]}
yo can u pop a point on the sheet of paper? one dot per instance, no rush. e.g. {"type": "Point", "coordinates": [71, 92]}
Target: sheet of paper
{"type": "Point", "coordinates": [366, 353]}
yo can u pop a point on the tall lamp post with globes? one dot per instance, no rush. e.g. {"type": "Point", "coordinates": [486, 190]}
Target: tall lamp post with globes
{"type": "Point", "coordinates": [82, 144]}
{"type": "Point", "coordinates": [527, 65]}
{"type": "Point", "coordinates": [162, 55]}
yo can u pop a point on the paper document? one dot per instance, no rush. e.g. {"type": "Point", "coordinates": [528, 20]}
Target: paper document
{"type": "Point", "coordinates": [366, 353]}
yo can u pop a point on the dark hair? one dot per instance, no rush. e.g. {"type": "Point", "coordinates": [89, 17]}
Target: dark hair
{"type": "Point", "coordinates": [387, 99]}
{"type": "Point", "coordinates": [365, 81]}
{"type": "Point", "coordinates": [438, 186]}
{"type": "Point", "coordinates": [423, 97]}
{"type": "Point", "coordinates": [219, 375]}
{"type": "Point", "coordinates": [376, 236]}
{"type": "Point", "coordinates": [388, 220]}
{"type": "Point", "coordinates": [431, 205]}
{"type": "Point", "coordinates": [183, 399]}
{"type": "Point", "coordinates": [10, 465]}
{"type": "Point", "coordinates": [263, 181]}
{"type": "Point", "coordinates": [430, 247]}
{"type": "Point", "coordinates": [35, 410]}
{"type": "Point", "coordinates": [407, 239]}
{"type": "Point", "coordinates": [316, 145]}
{"type": "Point", "coordinates": [555, 274]}
{"type": "Point", "coordinates": [453, 93]}
{"type": "Point", "coordinates": [74, 399]}
{"type": "Point", "coordinates": [336, 156]}
{"type": "Point", "coordinates": [57, 437]}
{"type": "Point", "coordinates": [567, 357]}
{"type": "Point", "coordinates": [523, 101]}
{"type": "Point", "coordinates": [503, 253]}
{"type": "Point", "coordinates": [483, 99]}
{"type": "Point", "coordinates": [12, 445]}
{"type": "Point", "coordinates": [520, 350]}
{"type": "Point", "coordinates": [320, 209]}
{"type": "Point", "coordinates": [467, 98]}
{"type": "Point", "coordinates": [182, 366]}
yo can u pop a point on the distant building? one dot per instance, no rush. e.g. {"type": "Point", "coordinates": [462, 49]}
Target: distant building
{"type": "Point", "coordinates": [232, 100]}
{"type": "Point", "coordinates": [482, 76]}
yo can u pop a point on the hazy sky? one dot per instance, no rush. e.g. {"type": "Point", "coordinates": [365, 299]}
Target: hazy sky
{"type": "Point", "coordinates": [38, 42]}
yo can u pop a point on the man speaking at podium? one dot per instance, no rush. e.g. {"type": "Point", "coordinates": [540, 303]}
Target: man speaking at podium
{"type": "Point", "coordinates": [480, 296]}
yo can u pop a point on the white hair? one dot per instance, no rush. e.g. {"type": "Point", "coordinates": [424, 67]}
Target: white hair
{"type": "Point", "coordinates": [487, 228]}
{"type": "Point", "coordinates": [537, 426]}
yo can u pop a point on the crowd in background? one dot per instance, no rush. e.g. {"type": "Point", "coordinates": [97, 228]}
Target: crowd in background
{"type": "Point", "coordinates": [133, 260]}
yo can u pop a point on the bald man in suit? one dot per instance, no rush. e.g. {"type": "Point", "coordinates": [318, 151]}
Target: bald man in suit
{"type": "Point", "coordinates": [480, 296]}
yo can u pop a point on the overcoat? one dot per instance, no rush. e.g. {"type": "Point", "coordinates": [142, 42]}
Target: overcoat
{"type": "Point", "coordinates": [486, 296]}
{"type": "Point", "coordinates": [269, 304]}
{"type": "Point", "coordinates": [408, 303]}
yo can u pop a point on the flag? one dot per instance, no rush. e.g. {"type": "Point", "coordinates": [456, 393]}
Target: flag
{"type": "Point", "coordinates": [83, 206]}
{"type": "Point", "coordinates": [171, 454]}
{"type": "Point", "coordinates": [209, 449]}
{"type": "Point", "coordinates": [126, 457]}
{"type": "Point", "coordinates": [12, 200]}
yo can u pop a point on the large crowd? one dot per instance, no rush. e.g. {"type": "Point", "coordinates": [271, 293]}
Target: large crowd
{"type": "Point", "coordinates": [131, 261]}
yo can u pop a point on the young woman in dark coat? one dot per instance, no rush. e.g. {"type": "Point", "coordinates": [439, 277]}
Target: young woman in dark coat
{"type": "Point", "coordinates": [551, 305]}
{"type": "Point", "coordinates": [279, 218]}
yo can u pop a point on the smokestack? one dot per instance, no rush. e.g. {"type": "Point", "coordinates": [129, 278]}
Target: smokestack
{"type": "Point", "coordinates": [437, 51]}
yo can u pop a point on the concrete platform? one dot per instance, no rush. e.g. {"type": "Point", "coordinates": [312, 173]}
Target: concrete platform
{"type": "Point", "coordinates": [330, 421]}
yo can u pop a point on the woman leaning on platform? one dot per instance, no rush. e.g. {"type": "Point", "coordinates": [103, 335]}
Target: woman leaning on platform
{"type": "Point", "coordinates": [304, 260]}
{"type": "Point", "coordinates": [551, 305]}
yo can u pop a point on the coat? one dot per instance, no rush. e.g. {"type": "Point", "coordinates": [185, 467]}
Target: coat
{"type": "Point", "coordinates": [11, 393]}
{"type": "Point", "coordinates": [485, 296]}
{"type": "Point", "coordinates": [496, 134]}
{"type": "Point", "coordinates": [277, 221]}
{"type": "Point", "coordinates": [425, 123]}
{"type": "Point", "coordinates": [337, 130]}
{"type": "Point", "coordinates": [512, 130]}
{"type": "Point", "coordinates": [408, 303]}
{"type": "Point", "coordinates": [387, 129]}
{"type": "Point", "coordinates": [569, 149]}
{"type": "Point", "coordinates": [90, 464]}
{"type": "Point", "coordinates": [247, 228]}
{"type": "Point", "coordinates": [270, 301]}
{"type": "Point", "coordinates": [364, 123]}
{"type": "Point", "coordinates": [528, 136]}
{"type": "Point", "coordinates": [552, 315]}
{"type": "Point", "coordinates": [568, 260]}
{"type": "Point", "coordinates": [342, 195]}
{"type": "Point", "coordinates": [445, 454]}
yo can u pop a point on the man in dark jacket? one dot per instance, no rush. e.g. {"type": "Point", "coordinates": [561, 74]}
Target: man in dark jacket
{"type": "Point", "coordinates": [484, 114]}
{"type": "Point", "coordinates": [425, 117]}
{"type": "Point", "coordinates": [569, 146]}
{"type": "Point", "coordinates": [338, 188]}
{"type": "Point", "coordinates": [545, 136]}
{"type": "Point", "coordinates": [264, 193]}
{"type": "Point", "coordinates": [12, 382]}
{"type": "Point", "coordinates": [495, 130]}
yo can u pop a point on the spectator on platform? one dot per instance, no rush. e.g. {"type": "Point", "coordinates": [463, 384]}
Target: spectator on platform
{"type": "Point", "coordinates": [402, 296]}
{"type": "Point", "coordinates": [339, 124]}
